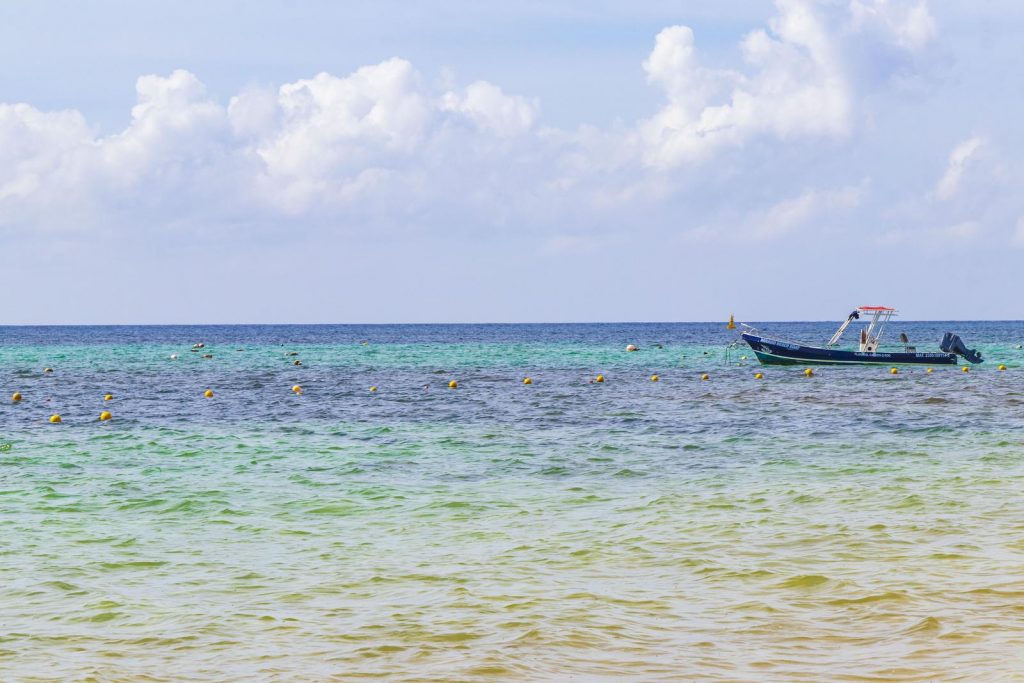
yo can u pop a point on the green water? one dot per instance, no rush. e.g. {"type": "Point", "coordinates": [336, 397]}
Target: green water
{"type": "Point", "coordinates": [854, 526]}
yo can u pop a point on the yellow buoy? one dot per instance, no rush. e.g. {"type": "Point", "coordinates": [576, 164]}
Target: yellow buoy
{"type": "Point", "coordinates": [599, 378]}
{"type": "Point", "coordinates": [104, 416]}
{"type": "Point", "coordinates": [894, 371]}
{"type": "Point", "coordinates": [108, 397]}
{"type": "Point", "coordinates": [732, 323]}
{"type": "Point", "coordinates": [55, 419]}
{"type": "Point", "coordinates": [705, 376]}
{"type": "Point", "coordinates": [296, 389]}
{"type": "Point", "coordinates": [655, 378]}
{"type": "Point", "coordinates": [16, 396]}
{"type": "Point", "coordinates": [965, 369]}
{"type": "Point", "coordinates": [929, 371]}
{"type": "Point", "coordinates": [527, 380]}
{"type": "Point", "coordinates": [743, 357]}
{"type": "Point", "coordinates": [297, 362]}
{"type": "Point", "coordinates": [1001, 368]}
{"type": "Point", "coordinates": [208, 393]}
{"type": "Point", "coordinates": [809, 372]}
{"type": "Point", "coordinates": [453, 385]}
{"type": "Point", "coordinates": [372, 389]}
{"type": "Point", "coordinates": [47, 370]}
{"type": "Point", "coordinates": [758, 375]}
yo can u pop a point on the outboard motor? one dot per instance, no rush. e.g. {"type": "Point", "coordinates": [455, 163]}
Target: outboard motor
{"type": "Point", "coordinates": [952, 343]}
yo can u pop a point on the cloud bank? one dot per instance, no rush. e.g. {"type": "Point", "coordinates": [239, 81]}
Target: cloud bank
{"type": "Point", "coordinates": [383, 149]}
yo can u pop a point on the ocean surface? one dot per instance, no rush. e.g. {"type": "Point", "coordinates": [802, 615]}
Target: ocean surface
{"type": "Point", "coordinates": [851, 526]}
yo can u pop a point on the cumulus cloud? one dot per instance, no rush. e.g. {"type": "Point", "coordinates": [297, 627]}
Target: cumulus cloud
{"type": "Point", "coordinates": [381, 145]}
{"type": "Point", "coordinates": [487, 106]}
{"type": "Point", "coordinates": [331, 136]}
{"type": "Point", "coordinates": [32, 145]}
{"type": "Point", "coordinates": [798, 85]}
{"type": "Point", "coordinates": [334, 138]}
{"type": "Point", "coordinates": [324, 141]}
{"type": "Point", "coordinates": [797, 88]}
{"type": "Point", "coordinates": [959, 161]}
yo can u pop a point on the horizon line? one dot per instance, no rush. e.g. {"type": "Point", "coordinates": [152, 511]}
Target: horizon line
{"type": "Point", "coordinates": [424, 324]}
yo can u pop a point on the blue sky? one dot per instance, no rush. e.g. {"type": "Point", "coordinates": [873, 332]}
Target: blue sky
{"type": "Point", "coordinates": [537, 161]}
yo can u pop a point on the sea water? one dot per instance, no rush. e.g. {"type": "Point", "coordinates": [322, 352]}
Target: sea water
{"type": "Point", "coordinates": [855, 525]}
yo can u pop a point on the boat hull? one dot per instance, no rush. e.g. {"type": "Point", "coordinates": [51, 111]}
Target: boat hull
{"type": "Point", "coordinates": [776, 352]}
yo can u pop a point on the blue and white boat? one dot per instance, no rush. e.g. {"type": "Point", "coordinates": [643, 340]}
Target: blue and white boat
{"type": "Point", "coordinates": [774, 351]}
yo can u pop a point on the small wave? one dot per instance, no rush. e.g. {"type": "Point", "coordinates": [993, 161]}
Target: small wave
{"type": "Point", "coordinates": [134, 564]}
{"type": "Point", "coordinates": [888, 596]}
{"type": "Point", "coordinates": [333, 510]}
{"type": "Point", "coordinates": [926, 625]}
{"type": "Point", "coordinates": [804, 581]}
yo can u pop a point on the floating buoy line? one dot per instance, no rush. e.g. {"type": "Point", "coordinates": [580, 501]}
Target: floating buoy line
{"type": "Point", "coordinates": [105, 416]}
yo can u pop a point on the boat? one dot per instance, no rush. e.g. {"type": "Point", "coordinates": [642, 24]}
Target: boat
{"type": "Point", "coordinates": [775, 351]}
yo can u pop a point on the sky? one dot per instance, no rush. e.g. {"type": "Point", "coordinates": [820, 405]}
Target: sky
{"type": "Point", "coordinates": [375, 162]}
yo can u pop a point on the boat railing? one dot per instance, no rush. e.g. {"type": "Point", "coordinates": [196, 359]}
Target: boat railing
{"type": "Point", "coordinates": [755, 331]}
{"type": "Point", "coordinates": [750, 329]}
{"type": "Point", "coordinates": [879, 348]}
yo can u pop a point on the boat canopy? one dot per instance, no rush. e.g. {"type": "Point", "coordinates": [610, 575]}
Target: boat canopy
{"type": "Point", "coordinates": [870, 337]}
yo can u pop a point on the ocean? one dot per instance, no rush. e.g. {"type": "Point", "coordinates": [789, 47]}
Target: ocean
{"type": "Point", "coordinates": [850, 526]}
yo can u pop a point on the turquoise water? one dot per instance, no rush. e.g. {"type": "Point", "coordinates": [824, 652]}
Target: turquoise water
{"type": "Point", "coordinates": [855, 525]}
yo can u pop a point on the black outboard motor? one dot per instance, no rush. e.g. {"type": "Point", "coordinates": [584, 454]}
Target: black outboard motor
{"type": "Point", "coordinates": [952, 343]}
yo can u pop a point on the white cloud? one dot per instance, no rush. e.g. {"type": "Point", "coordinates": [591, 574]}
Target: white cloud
{"type": "Point", "coordinates": [673, 65]}
{"type": "Point", "coordinates": [907, 25]}
{"type": "Point", "coordinates": [253, 112]}
{"type": "Point", "coordinates": [175, 129]}
{"type": "Point", "coordinates": [797, 88]}
{"type": "Point", "coordinates": [381, 146]}
{"type": "Point", "coordinates": [314, 144]}
{"type": "Point", "coordinates": [488, 107]}
{"type": "Point", "coordinates": [327, 131]}
{"type": "Point", "coordinates": [799, 83]}
{"type": "Point", "coordinates": [959, 160]}
{"type": "Point", "coordinates": [32, 145]}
